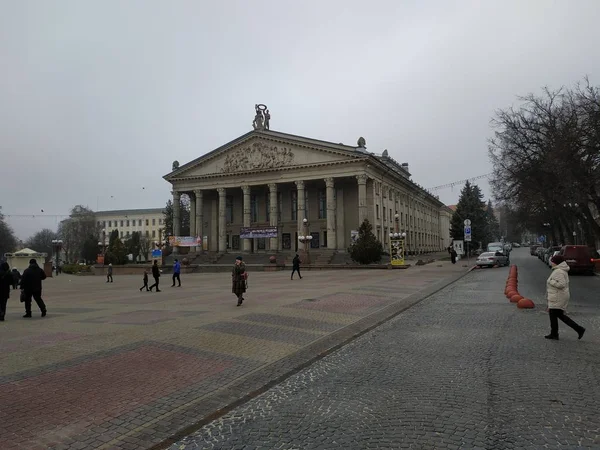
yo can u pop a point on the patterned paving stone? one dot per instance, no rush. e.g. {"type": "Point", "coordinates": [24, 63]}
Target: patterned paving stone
{"type": "Point", "coordinates": [295, 322]}
{"type": "Point", "coordinates": [141, 317]}
{"type": "Point", "coordinates": [347, 303]}
{"type": "Point", "coordinates": [262, 332]}
{"type": "Point", "coordinates": [39, 340]}
{"type": "Point", "coordinates": [129, 378]}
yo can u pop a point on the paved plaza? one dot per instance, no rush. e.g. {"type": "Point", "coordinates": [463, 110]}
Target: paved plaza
{"type": "Point", "coordinates": [462, 369]}
{"type": "Point", "coordinates": [112, 367]}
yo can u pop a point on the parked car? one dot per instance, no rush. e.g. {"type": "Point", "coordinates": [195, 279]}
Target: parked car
{"type": "Point", "coordinates": [539, 252]}
{"type": "Point", "coordinates": [579, 258]}
{"type": "Point", "coordinates": [495, 246]}
{"type": "Point", "coordinates": [533, 249]}
{"type": "Point", "coordinates": [491, 259]}
{"type": "Point", "coordinates": [516, 244]}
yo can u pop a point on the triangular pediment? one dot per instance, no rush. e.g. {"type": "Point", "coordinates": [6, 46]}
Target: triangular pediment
{"type": "Point", "coordinates": [259, 151]}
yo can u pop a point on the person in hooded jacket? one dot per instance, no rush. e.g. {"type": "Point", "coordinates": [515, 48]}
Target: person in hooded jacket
{"type": "Point", "coordinates": [16, 278]}
{"type": "Point", "coordinates": [6, 282]}
{"type": "Point", "coordinates": [31, 285]}
{"type": "Point", "coordinates": [558, 295]}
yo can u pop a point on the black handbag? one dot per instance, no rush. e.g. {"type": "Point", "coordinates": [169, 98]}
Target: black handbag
{"type": "Point", "coordinates": [23, 296]}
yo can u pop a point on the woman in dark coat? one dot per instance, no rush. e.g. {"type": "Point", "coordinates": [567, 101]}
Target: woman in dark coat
{"type": "Point", "coordinates": [453, 255]}
{"type": "Point", "coordinates": [238, 279]}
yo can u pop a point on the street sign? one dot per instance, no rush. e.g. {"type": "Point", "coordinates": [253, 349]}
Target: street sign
{"type": "Point", "coordinates": [467, 233]}
{"type": "Point", "coordinates": [467, 222]}
{"type": "Point", "coordinates": [541, 239]}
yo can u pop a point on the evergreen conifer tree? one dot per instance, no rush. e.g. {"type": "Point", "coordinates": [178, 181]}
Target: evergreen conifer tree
{"type": "Point", "coordinates": [367, 249]}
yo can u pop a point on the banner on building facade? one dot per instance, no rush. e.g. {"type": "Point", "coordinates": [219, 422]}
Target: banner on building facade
{"type": "Point", "coordinates": [185, 241]}
{"type": "Point", "coordinates": [258, 232]}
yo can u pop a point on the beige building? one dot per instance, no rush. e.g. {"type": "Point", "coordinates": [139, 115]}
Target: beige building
{"type": "Point", "coordinates": [271, 179]}
{"type": "Point", "coordinates": [149, 222]}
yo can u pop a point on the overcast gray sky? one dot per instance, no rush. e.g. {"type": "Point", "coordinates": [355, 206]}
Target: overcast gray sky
{"type": "Point", "coordinates": [97, 98]}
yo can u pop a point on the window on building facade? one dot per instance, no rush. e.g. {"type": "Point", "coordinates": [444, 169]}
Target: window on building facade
{"type": "Point", "coordinates": [268, 202]}
{"type": "Point", "coordinates": [153, 233]}
{"type": "Point", "coordinates": [127, 234]}
{"type": "Point", "coordinates": [110, 223]}
{"type": "Point", "coordinates": [229, 209]}
{"type": "Point", "coordinates": [104, 224]}
{"type": "Point", "coordinates": [139, 222]}
{"type": "Point", "coordinates": [128, 223]}
{"type": "Point", "coordinates": [294, 204]}
{"type": "Point", "coordinates": [147, 233]}
{"type": "Point", "coordinates": [253, 208]}
{"type": "Point", "coordinates": [377, 211]}
{"type": "Point", "coordinates": [121, 223]}
{"type": "Point", "coordinates": [160, 221]}
{"type": "Point", "coordinates": [153, 221]}
{"type": "Point", "coordinates": [391, 215]}
{"type": "Point", "coordinates": [121, 234]}
{"type": "Point", "coordinates": [322, 204]}
{"type": "Point", "coordinates": [147, 222]}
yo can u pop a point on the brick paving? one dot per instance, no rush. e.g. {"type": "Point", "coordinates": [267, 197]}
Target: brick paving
{"type": "Point", "coordinates": [113, 367]}
{"type": "Point", "coordinates": [463, 369]}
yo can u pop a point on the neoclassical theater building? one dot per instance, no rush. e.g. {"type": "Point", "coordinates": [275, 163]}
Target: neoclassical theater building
{"type": "Point", "coordinates": [269, 179]}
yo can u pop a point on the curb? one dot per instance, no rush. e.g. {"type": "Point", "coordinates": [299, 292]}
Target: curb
{"type": "Point", "coordinates": [253, 385]}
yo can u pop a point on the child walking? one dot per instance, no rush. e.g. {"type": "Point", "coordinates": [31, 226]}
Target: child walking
{"type": "Point", "coordinates": [145, 281]}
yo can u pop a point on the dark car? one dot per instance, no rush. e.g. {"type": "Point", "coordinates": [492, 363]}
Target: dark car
{"type": "Point", "coordinates": [579, 258]}
{"type": "Point", "coordinates": [532, 249]}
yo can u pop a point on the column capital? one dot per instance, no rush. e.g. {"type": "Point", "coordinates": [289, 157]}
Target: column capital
{"type": "Point", "coordinates": [246, 189]}
{"type": "Point", "coordinates": [198, 192]}
{"type": "Point", "coordinates": [221, 191]}
{"type": "Point", "coordinates": [176, 194]}
{"type": "Point", "coordinates": [329, 182]}
{"type": "Point", "coordinates": [299, 184]}
{"type": "Point", "coordinates": [362, 178]}
{"type": "Point", "coordinates": [273, 187]}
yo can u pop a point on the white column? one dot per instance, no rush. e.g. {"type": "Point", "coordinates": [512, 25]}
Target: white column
{"type": "Point", "coordinates": [246, 193]}
{"type": "Point", "coordinates": [362, 198]}
{"type": "Point", "coordinates": [222, 221]}
{"type": "Point", "coordinates": [193, 219]}
{"type": "Point", "coordinates": [176, 217]}
{"type": "Point", "coordinates": [199, 230]}
{"type": "Point", "coordinates": [301, 213]}
{"type": "Point", "coordinates": [273, 242]}
{"type": "Point", "coordinates": [331, 229]}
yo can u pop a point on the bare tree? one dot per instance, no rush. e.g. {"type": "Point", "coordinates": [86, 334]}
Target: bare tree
{"type": "Point", "coordinates": [546, 157]}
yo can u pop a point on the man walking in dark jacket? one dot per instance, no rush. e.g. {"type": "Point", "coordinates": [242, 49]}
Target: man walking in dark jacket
{"type": "Point", "coordinates": [156, 275]}
{"type": "Point", "coordinates": [296, 266]}
{"type": "Point", "coordinates": [31, 285]}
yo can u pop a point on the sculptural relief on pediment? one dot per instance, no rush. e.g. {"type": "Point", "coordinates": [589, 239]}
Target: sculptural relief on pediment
{"type": "Point", "coordinates": [257, 156]}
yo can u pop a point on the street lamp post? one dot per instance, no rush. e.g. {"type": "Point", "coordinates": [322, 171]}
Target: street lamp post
{"type": "Point", "coordinates": [57, 246]}
{"type": "Point", "coordinates": [305, 240]}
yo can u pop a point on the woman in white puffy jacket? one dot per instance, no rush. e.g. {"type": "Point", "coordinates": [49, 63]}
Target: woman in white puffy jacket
{"type": "Point", "coordinates": [558, 295]}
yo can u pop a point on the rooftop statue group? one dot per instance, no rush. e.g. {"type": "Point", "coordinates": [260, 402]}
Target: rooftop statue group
{"type": "Point", "coordinates": [262, 118]}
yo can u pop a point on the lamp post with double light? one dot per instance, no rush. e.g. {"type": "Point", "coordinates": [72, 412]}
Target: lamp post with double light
{"type": "Point", "coordinates": [305, 239]}
{"type": "Point", "coordinates": [57, 247]}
